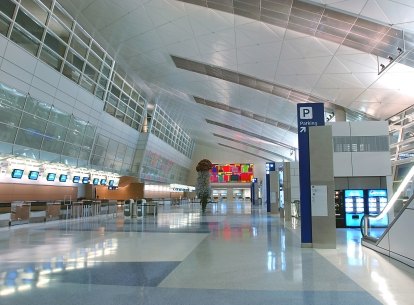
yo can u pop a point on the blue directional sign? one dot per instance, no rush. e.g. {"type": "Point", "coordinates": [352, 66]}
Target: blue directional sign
{"type": "Point", "coordinates": [309, 114]}
{"type": "Point", "coordinates": [270, 167]}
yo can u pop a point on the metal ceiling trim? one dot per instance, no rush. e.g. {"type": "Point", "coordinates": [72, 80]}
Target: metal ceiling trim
{"type": "Point", "coordinates": [315, 19]}
{"type": "Point", "coordinates": [248, 114]}
{"type": "Point", "coordinates": [253, 146]}
{"type": "Point", "coordinates": [251, 134]}
{"type": "Point", "coordinates": [244, 151]}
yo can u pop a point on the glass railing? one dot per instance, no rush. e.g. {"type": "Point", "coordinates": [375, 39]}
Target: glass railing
{"type": "Point", "coordinates": [374, 226]}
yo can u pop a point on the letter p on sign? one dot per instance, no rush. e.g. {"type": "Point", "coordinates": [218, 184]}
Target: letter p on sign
{"type": "Point", "coordinates": [305, 113]}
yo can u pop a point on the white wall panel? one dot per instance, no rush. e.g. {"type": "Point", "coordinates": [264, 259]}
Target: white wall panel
{"type": "Point", "coordinates": [371, 164]}
{"type": "Point", "coordinates": [47, 74]}
{"type": "Point", "coordinates": [64, 100]}
{"type": "Point", "coordinates": [20, 57]}
{"type": "Point", "coordinates": [86, 98]}
{"type": "Point", "coordinates": [340, 129]}
{"type": "Point", "coordinates": [369, 128]}
{"type": "Point", "coordinates": [342, 164]}
{"type": "Point", "coordinates": [41, 96]}
{"type": "Point", "coordinates": [68, 87]}
{"type": "Point", "coordinates": [43, 86]}
{"type": "Point", "coordinates": [16, 71]}
{"type": "Point", "coordinates": [3, 45]}
{"type": "Point", "coordinates": [13, 82]}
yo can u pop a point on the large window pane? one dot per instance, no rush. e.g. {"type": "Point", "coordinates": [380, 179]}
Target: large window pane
{"type": "Point", "coordinates": [30, 25]}
{"type": "Point", "coordinates": [84, 154]}
{"type": "Point", "coordinates": [87, 143]}
{"type": "Point", "coordinates": [29, 138]}
{"type": "Point", "coordinates": [59, 117]}
{"type": "Point", "coordinates": [79, 47]}
{"type": "Point", "coordinates": [24, 40]}
{"type": "Point", "coordinates": [99, 150]}
{"type": "Point", "coordinates": [59, 12]}
{"type": "Point", "coordinates": [32, 123]}
{"type": "Point", "coordinates": [7, 133]}
{"type": "Point", "coordinates": [91, 72]}
{"type": "Point", "coordinates": [82, 34]}
{"type": "Point", "coordinates": [97, 160]}
{"type": "Point", "coordinates": [71, 72]}
{"type": "Point", "coordinates": [7, 7]}
{"type": "Point", "coordinates": [106, 71]}
{"type": "Point", "coordinates": [52, 145]}
{"type": "Point", "coordinates": [51, 58]}
{"type": "Point", "coordinates": [110, 109]}
{"type": "Point", "coordinates": [11, 97]}
{"type": "Point", "coordinates": [57, 28]}
{"type": "Point", "coordinates": [94, 61]}
{"type": "Point", "coordinates": [120, 115]}
{"type": "Point", "coordinates": [88, 84]}
{"type": "Point", "coordinates": [100, 92]}
{"type": "Point", "coordinates": [108, 60]}
{"type": "Point", "coordinates": [71, 150]}
{"type": "Point", "coordinates": [4, 25]}
{"type": "Point", "coordinates": [97, 50]}
{"type": "Point", "coordinates": [89, 131]}
{"type": "Point", "coordinates": [47, 3]}
{"type": "Point", "coordinates": [102, 141]}
{"type": "Point", "coordinates": [10, 116]}
{"type": "Point", "coordinates": [74, 137]}
{"type": "Point", "coordinates": [77, 125]}
{"type": "Point", "coordinates": [56, 132]}
{"type": "Point", "coordinates": [37, 108]}
{"type": "Point", "coordinates": [75, 60]}
{"type": "Point", "coordinates": [112, 100]}
{"type": "Point", "coordinates": [35, 9]}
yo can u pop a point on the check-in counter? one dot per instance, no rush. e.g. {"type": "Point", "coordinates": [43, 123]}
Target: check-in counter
{"type": "Point", "coordinates": [5, 214]}
{"type": "Point", "coordinates": [77, 209]}
{"type": "Point", "coordinates": [37, 211]}
{"type": "Point", "coordinates": [53, 211]}
{"type": "Point", "coordinates": [20, 212]}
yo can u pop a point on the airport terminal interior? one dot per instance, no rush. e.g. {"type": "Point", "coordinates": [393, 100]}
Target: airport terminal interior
{"type": "Point", "coordinates": [206, 151]}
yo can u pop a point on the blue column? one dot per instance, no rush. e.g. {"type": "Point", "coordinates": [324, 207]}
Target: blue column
{"type": "Point", "coordinates": [309, 114]}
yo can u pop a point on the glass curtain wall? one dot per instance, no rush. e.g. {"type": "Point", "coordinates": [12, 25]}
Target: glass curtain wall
{"type": "Point", "coordinates": [47, 31]}
{"type": "Point", "coordinates": [163, 127]}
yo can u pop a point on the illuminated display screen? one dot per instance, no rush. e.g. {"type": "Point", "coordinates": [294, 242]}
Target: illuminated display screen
{"type": "Point", "coordinates": [95, 181]}
{"type": "Point", "coordinates": [17, 173]}
{"type": "Point", "coordinates": [76, 179]}
{"type": "Point", "coordinates": [85, 180]}
{"type": "Point", "coordinates": [103, 181]}
{"type": "Point", "coordinates": [111, 183]}
{"type": "Point", "coordinates": [33, 175]}
{"type": "Point", "coordinates": [51, 177]}
{"type": "Point", "coordinates": [63, 178]}
{"type": "Point", "coordinates": [237, 172]}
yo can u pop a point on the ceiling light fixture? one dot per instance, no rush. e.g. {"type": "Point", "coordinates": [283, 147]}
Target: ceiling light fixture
{"type": "Point", "coordinates": [382, 67]}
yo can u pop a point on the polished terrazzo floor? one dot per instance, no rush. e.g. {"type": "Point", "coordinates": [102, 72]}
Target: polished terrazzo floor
{"type": "Point", "coordinates": [235, 254]}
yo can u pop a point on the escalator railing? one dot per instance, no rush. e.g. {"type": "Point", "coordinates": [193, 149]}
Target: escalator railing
{"type": "Point", "coordinates": [373, 227]}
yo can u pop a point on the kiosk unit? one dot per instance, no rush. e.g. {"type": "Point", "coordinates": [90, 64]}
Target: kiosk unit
{"type": "Point", "coordinates": [377, 200]}
{"type": "Point", "coordinates": [354, 207]}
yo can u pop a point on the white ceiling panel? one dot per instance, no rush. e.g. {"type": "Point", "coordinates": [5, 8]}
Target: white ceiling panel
{"type": "Point", "coordinates": [263, 63]}
{"type": "Point", "coordinates": [257, 33]}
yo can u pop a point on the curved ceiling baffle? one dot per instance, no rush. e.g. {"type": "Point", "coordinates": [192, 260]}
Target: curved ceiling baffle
{"type": "Point", "coordinates": [231, 72]}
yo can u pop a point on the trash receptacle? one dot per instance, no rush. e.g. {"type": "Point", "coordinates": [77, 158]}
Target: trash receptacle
{"type": "Point", "coordinates": [127, 207]}
{"type": "Point", "coordinates": [141, 207]}
{"type": "Point", "coordinates": [133, 208]}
